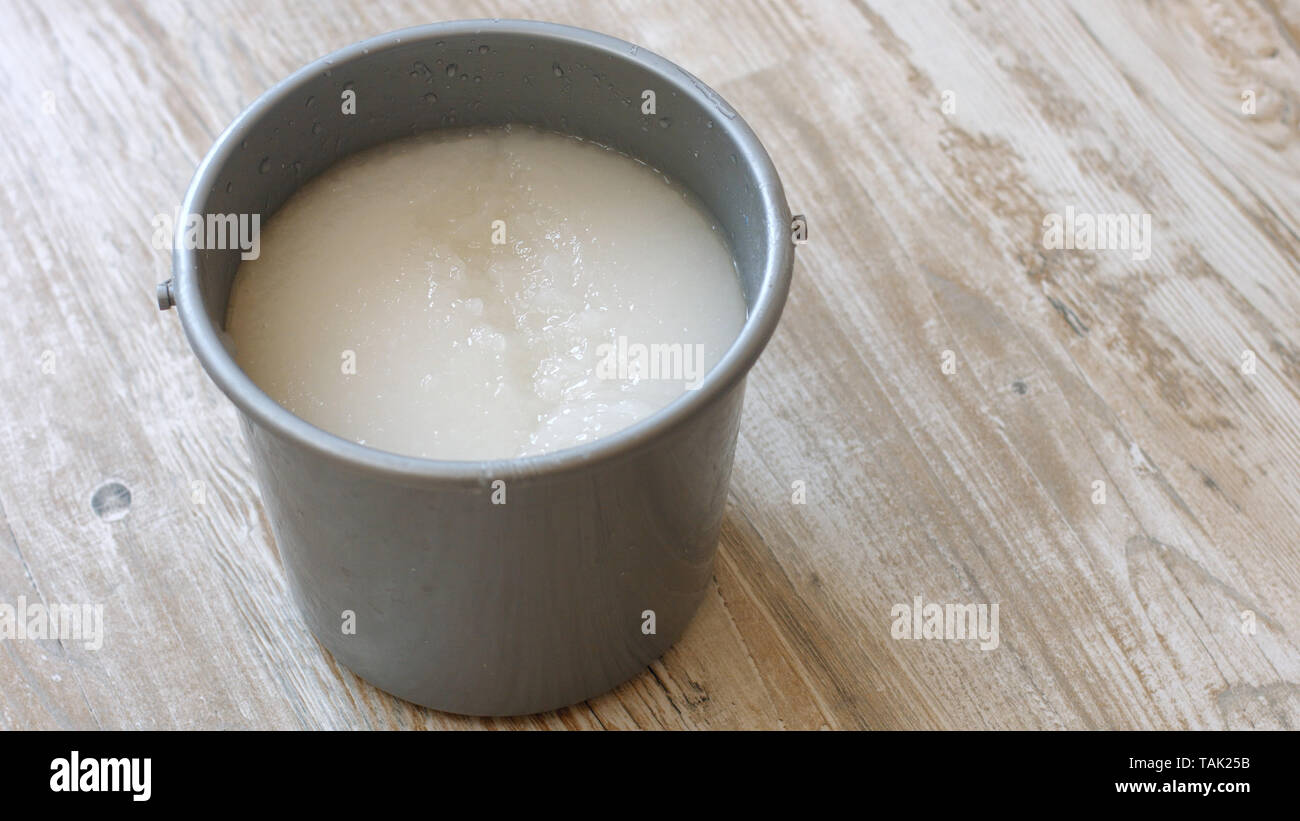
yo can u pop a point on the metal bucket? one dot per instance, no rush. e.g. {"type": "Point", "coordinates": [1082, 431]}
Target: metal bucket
{"type": "Point", "coordinates": [410, 571]}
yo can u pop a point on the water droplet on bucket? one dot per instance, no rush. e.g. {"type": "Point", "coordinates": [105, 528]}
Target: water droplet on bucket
{"type": "Point", "coordinates": [451, 69]}
{"type": "Point", "coordinates": [431, 98]}
{"type": "Point", "coordinates": [264, 165]}
{"type": "Point", "coordinates": [559, 72]}
{"type": "Point", "coordinates": [316, 128]}
{"type": "Point", "coordinates": [311, 101]}
{"type": "Point", "coordinates": [664, 122]}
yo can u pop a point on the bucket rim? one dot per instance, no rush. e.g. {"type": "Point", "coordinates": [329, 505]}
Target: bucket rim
{"type": "Point", "coordinates": [263, 411]}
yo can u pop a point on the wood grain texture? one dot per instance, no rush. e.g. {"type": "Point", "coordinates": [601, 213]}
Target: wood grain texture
{"type": "Point", "coordinates": [1071, 367]}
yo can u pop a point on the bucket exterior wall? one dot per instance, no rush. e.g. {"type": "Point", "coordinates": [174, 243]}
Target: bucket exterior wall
{"type": "Point", "coordinates": [495, 609]}
{"type": "Point", "coordinates": [410, 571]}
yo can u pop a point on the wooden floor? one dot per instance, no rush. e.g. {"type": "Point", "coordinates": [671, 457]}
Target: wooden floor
{"type": "Point", "coordinates": [1112, 454]}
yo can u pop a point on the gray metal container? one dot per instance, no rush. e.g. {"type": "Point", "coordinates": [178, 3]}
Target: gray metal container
{"type": "Point", "coordinates": [462, 604]}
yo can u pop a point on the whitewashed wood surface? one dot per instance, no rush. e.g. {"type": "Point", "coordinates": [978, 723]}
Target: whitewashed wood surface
{"type": "Point", "coordinates": [926, 142]}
